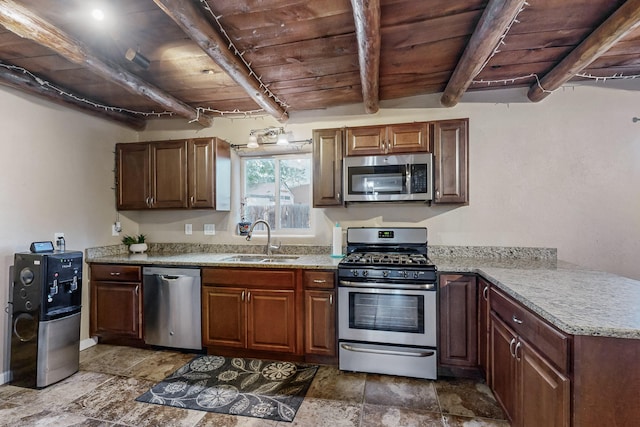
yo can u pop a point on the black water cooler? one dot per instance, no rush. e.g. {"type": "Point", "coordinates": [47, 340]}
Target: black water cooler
{"type": "Point", "coordinates": [46, 299]}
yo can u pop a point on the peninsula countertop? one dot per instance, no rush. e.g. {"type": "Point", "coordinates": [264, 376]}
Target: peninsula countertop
{"type": "Point", "coordinates": [577, 300]}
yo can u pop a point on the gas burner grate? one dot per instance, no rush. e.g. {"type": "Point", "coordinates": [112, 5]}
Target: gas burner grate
{"type": "Point", "coordinates": [384, 258]}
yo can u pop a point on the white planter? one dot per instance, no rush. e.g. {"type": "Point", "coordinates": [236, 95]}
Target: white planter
{"type": "Point", "coordinates": [138, 248]}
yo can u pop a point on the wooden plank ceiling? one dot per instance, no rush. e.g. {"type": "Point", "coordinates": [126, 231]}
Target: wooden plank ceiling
{"type": "Point", "coordinates": [242, 58]}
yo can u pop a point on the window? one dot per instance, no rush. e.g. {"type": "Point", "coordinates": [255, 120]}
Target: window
{"type": "Point", "coordinates": [285, 206]}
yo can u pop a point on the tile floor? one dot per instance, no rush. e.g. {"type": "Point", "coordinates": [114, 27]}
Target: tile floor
{"type": "Point", "coordinates": [102, 393]}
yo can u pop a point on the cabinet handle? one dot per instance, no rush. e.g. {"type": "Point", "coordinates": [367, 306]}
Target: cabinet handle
{"type": "Point", "coordinates": [485, 293]}
{"type": "Point", "coordinates": [437, 193]}
{"type": "Point", "coordinates": [515, 319]}
{"type": "Point", "coordinates": [137, 291]}
{"type": "Point", "coordinates": [319, 281]}
{"type": "Point", "coordinates": [191, 200]}
{"type": "Point", "coordinates": [242, 297]}
{"type": "Point", "coordinates": [248, 296]}
{"type": "Point", "coordinates": [515, 352]}
{"type": "Point", "coordinates": [331, 299]}
{"type": "Point", "coordinates": [114, 274]}
{"type": "Point", "coordinates": [513, 341]}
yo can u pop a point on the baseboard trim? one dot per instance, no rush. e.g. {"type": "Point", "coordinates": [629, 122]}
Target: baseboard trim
{"type": "Point", "coordinates": [89, 342]}
{"type": "Point", "coordinates": [5, 377]}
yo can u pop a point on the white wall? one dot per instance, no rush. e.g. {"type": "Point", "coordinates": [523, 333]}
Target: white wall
{"type": "Point", "coordinates": [561, 173]}
{"type": "Point", "coordinates": [56, 176]}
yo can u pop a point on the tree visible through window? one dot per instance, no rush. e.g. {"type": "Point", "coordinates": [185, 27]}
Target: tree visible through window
{"type": "Point", "coordinates": [286, 205]}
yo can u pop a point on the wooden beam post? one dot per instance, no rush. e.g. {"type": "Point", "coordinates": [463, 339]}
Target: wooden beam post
{"type": "Point", "coordinates": [188, 17]}
{"type": "Point", "coordinates": [618, 25]}
{"type": "Point", "coordinates": [366, 14]}
{"type": "Point", "coordinates": [495, 20]}
{"type": "Point", "coordinates": [24, 23]}
{"type": "Point", "coordinates": [26, 83]}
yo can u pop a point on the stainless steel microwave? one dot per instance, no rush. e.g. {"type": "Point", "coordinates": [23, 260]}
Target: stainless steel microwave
{"type": "Point", "coordinates": [386, 178]}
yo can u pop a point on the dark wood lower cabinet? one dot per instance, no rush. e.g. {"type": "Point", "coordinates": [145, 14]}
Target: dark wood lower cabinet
{"type": "Point", "coordinates": [250, 309]}
{"type": "Point", "coordinates": [458, 340]}
{"type": "Point", "coordinates": [484, 331]}
{"type": "Point", "coordinates": [116, 303]}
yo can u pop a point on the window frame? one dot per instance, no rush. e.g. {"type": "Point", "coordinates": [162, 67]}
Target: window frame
{"type": "Point", "coordinates": [305, 232]}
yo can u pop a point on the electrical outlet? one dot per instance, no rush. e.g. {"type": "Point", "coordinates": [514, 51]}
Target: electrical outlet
{"type": "Point", "coordinates": [188, 229]}
{"type": "Point", "coordinates": [114, 230]}
{"type": "Point", "coordinates": [209, 229]}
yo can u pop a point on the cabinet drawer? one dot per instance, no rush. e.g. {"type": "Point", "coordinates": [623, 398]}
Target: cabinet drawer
{"type": "Point", "coordinates": [318, 279]}
{"type": "Point", "coordinates": [547, 339]}
{"type": "Point", "coordinates": [116, 273]}
{"type": "Point", "coordinates": [250, 277]}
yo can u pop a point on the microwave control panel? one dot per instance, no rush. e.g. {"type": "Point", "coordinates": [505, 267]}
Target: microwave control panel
{"type": "Point", "coordinates": [419, 178]}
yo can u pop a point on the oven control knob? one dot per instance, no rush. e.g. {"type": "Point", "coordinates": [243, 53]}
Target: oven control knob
{"type": "Point", "coordinates": [405, 273]}
{"type": "Point", "coordinates": [415, 274]}
{"type": "Point", "coordinates": [385, 273]}
{"type": "Point", "coordinates": [365, 273]}
{"type": "Point", "coordinates": [354, 272]}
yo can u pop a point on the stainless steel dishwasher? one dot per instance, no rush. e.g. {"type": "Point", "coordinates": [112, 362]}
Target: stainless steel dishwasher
{"type": "Point", "coordinates": [172, 307]}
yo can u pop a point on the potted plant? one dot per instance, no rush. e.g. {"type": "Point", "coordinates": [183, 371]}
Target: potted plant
{"type": "Point", "coordinates": [136, 243]}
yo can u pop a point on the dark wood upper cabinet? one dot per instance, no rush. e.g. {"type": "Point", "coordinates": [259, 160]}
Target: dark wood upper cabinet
{"type": "Point", "coordinates": [388, 139]}
{"type": "Point", "coordinates": [179, 174]}
{"type": "Point", "coordinates": [133, 168]}
{"type": "Point", "coordinates": [169, 175]}
{"type": "Point", "coordinates": [327, 167]}
{"type": "Point", "coordinates": [451, 144]}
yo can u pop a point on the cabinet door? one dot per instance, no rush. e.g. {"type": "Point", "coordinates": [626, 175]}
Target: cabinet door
{"type": "Point", "coordinates": [320, 323]}
{"type": "Point", "coordinates": [133, 162]}
{"type": "Point", "coordinates": [271, 322]}
{"type": "Point", "coordinates": [483, 328]}
{"type": "Point", "coordinates": [458, 321]}
{"type": "Point", "coordinates": [200, 165]}
{"type": "Point", "coordinates": [169, 174]}
{"type": "Point", "coordinates": [408, 138]}
{"type": "Point", "coordinates": [223, 316]}
{"type": "Point", "coordinates": [503, 367]}
{"type": "Point", "coordinates": [366, 140]}
{"type": "Point", "coordinates": [327, 170]}
{"type": "Point", "coordinates": [116, 309]}
{"type": "Point", "coordinates": [451, 166]}
{"type": "Point", "coordinates": [544, 392]}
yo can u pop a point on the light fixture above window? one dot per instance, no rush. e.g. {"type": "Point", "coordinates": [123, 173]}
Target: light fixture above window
{"type": "Point", "coordinates": [272, 135]}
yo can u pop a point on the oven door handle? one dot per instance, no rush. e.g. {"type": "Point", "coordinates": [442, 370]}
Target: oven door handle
{"type": "Point", "coordinates": [370, 285]}
{"type": "Point", "coordinates": [388, 352]}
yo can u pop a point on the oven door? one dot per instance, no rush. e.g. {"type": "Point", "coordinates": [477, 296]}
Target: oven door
{"type": "Point", "coordinates": [389, 316]}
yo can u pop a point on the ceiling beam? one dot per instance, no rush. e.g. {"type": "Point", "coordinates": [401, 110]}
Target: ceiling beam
{"type": "Point", "coordinates": [190, 18]}
{"type": "Point", "coordinates": [618, 25]}
{"type": "Point", "coordinates": [25, 24]}
{"type": "Point", "coordinates": [366, 14]}
{"type": "Point", "coordinates": [29, 83]}
{"type": "Point", "coordinates": [495, 20]}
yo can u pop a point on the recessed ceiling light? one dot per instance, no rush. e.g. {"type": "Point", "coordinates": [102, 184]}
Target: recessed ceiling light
{"type": "Point", "coordinates": [97, 14]}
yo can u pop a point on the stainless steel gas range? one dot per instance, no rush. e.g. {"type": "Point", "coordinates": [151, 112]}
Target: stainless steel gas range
{"type": "Point", "coordinates": [387, 293]}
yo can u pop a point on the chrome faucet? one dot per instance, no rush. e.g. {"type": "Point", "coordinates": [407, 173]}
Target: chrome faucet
{"type": "Point", "coordinates": [270, 247]}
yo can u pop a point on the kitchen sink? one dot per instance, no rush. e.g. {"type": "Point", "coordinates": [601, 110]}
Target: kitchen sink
{"type": "Point", "coordinates": [260, 258]}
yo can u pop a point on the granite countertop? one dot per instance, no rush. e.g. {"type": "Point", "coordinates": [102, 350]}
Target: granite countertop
{"type": "Point", "coordinates": [205, 259]}
{"type": "Point", "coordinates": [577, 300]}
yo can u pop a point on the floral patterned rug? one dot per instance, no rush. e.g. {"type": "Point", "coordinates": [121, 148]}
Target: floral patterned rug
{"type": "Point", "coordinates": [249, 387]}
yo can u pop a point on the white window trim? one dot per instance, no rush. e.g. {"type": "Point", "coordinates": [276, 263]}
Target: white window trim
{"type": "Point", "coordinates": [288, 232]}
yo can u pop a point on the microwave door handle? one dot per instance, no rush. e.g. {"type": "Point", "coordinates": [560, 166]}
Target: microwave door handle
{"type": "Point", "coordinates": [407, 179]}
